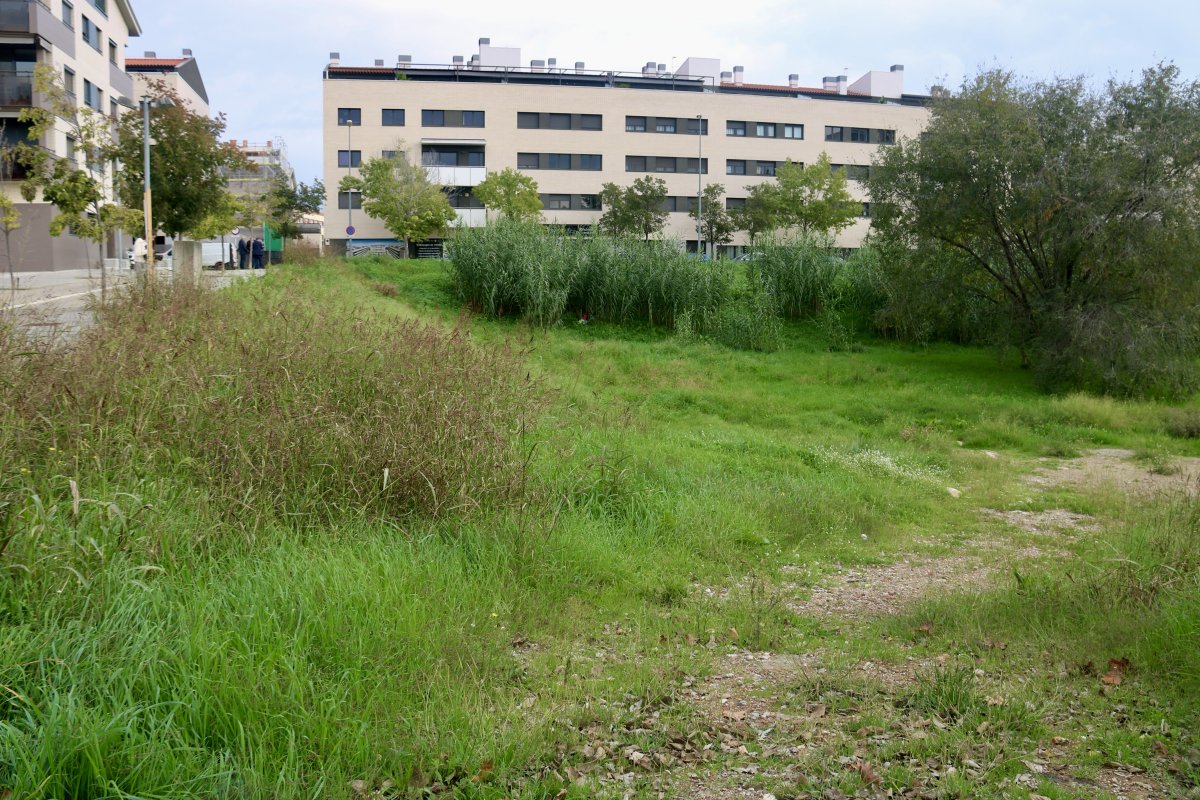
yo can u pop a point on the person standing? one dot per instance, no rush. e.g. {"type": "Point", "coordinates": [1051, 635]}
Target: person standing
{"type": "Point", "coordinates": [243, 251]}
{"type": "Point", "coordinates": [256, 252]}
{"type": "Point", "coordinates": [139, 253]}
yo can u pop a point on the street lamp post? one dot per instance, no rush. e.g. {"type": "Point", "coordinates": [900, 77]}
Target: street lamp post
{"type": "Point", "coordinates": [349, 194]}
{"type": "Point", "coordinates": [146, 197]}
{"type": "Point", "coordinates": [699, 181]}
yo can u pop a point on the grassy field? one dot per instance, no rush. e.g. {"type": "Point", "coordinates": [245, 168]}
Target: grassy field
{"type": "Point", "coordinates": [182, 615]}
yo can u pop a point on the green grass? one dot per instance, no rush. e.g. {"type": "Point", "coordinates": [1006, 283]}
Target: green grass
{"type": "Point", "coordinates": [153, 644]}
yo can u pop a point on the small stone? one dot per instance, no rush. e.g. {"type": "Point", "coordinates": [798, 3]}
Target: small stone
{"type": "Point", "coordinates": [953, 492]}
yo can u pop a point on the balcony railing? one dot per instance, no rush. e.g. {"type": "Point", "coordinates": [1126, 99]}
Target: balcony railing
{"type": "Point", "coordinates": [16, 88]}
{"type": "Point", "coordinates": [15, 16]}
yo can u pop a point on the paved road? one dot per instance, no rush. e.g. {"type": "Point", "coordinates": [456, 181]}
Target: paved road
{"type": "Point", "coordinates": [59, 303]}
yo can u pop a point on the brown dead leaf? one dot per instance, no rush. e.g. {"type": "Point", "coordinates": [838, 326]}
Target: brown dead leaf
{"type": "Point", "coordinates": [690, 639]}
{"type": "Point", "coordinates": [863, 768]}
{"type": "Point", "coordinates": [1117, 667]}
{"type": "Point", "coordinates": [485, 771]}
{"type": "Point", "coordinates": [733, 634]}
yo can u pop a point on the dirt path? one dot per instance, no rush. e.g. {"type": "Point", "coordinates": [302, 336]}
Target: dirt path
{"type": "Point", "coordinates": [821, 724]}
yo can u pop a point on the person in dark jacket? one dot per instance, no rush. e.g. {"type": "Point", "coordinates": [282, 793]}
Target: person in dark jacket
{"type": "Point", "coordinates": [256, 251]}
{"type": "Point", "coordinates": [243, 250]}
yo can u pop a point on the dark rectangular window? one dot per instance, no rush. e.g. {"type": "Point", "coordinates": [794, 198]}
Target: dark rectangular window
{"type": "Point", "coordinates": [862, 135]}
{"type": "Point", "coordinates": [693, 163]}
{"type": "Point", "coordinates": [697, 125]}
{"type": "Point", "coordinates": [91, 34]}
{"type": "Point", "coordinates": [793, 131]}
{"type": "Point", "coordinates": [349, 158]}
{"type": "Point", "coordinates": [68, 15]}
{"type": "Point", "coordinates": [886, 136]}
{"type": "Point", "coordinates": [664, 125]}
{"type": "Point", "coordinates": [69, 82]}
{"type": "Point", "coordinates": [529, 119]}
{"type": "Point", "coordinates": [390, 154]}
{"type": "Point", "coordinates": [765, 130]}
{"type": "Point", "coordinates": [101, 6]}
{"type": "Point", "coordinates": [765, 168]}
{"type": "Point", "coordinates": [349, 200]}
{"type": "Point", "coordinates": [527, 161]}
{"type": "Point", "coordinates": [635, 123]}
{"type": "Point", "coordinates": [560, 122]}
{"type": "Point", "coordinates": [393, 117]}
{"type": "Point", "coordinates": [635, 163]}
{"type": "Point", "coordinates": [591, 122]}
{"type": "Point", "coordinates": [472, 119]}
{"type": "Point", "coordinates": [474, 158]}
{"type": "Point", "coordinates": [589, 202]}
{"type": "Point", "coordinates": [866, 212]}
{"type": "Point", "coordinates": [558, 202]}
{"type": "Point", "coordinates": [112, 51]}
{"type": "Point", "coordinates": [735, 128]}
{"type": "Point", "coordinates": [664, 164]}
{"type": "Point", "coordinates": [835, 133]}
{"type": "Point", "coordinates": [858, 172]}
{"type": "Point", "coordinates": [352, 116]}
{"type": "Point", "coordinates": [588, 161]}
{"type": "Point", "coordinates": [735, 166]}
{"type": "Point", "coordinates": [560, 160]}
{"type": "Point", "coordinates": [433, 118]}
{"type": "Point", "coordinates": [93, 96]}
{"type": "Point", "coordinates": [734, 202]}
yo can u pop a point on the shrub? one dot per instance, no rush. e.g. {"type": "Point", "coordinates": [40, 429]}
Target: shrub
{"type": "Point", "coordinates": [1183, 423]}
{"type": "Point", "coordinates": [300, 252]}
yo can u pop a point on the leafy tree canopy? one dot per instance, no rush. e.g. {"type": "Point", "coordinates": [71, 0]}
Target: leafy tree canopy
{"type": "Point", "coordinates": [636, 209]}
{"type": "Point", "coordinates": [401, 195]}
{"type": "Point", "coordinates": [513, 194]}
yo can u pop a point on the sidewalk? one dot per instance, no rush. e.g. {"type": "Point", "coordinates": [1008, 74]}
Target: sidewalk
{"type": "Point", "coordinates": [39, 288]}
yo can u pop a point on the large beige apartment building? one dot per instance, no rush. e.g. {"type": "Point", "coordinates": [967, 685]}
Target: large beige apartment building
{"type": "Point", "coordinates": [84, 41]}
{"type": "Point", "coordinates": [573, 129]}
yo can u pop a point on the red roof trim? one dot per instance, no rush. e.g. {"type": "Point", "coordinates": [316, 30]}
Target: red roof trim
{"type": "Point", "coordinates": [154, 62]}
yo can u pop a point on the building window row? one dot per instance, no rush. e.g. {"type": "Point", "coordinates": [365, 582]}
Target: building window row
{"type": "Point", "coordinates": [446, 155]}
{"type": "Point", "coordinates": [442, 118]}
{"type": "Point", "coordinates": [854, 172]}
{"type": "Point", "coordinates": [764, 130]}
{"type": "Point", "coordinates": [346, 158]}
{"type": "Point", "coordinates": [678, 204]}
{"type": "Point", "coordinates": [838, 133]}
{"type": "Point", "coordinates": [685, 125]}
{"type": "Point", "coordinates": [348, 200]}
{"type": "Point", "coordinates": [390, 117]}
{"type": "Point", "coordinates": [68, 14]}
{"type": "Point", "coordinates": [574, 161]}
{"type": "Point", "coordinates": [462, 197]}
{"type": "Point", "coordinates": [560, 121]}
{"type": "Point", "coordinates": [665, 164]}
{"type": "Point", "coordinates": [570, 202]}
{"type": "Point", "coordinates": [742, 166]}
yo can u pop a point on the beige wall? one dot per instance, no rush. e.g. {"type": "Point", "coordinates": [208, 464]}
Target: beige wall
{"type": "Point", "coordinates": [504, 140]}
{"type": "Point", "coordinates": [175, 82]}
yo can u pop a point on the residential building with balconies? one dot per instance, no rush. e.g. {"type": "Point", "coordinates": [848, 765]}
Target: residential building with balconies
{"type": "Point", "coordinates": [85, 42]}
{"type": "Point", "coordinates": [180, 75]}
{"type": "Point", "coordinates": [575, 129]}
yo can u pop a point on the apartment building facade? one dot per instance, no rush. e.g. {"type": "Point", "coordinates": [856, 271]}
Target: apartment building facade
{"type": "Point", "coordinates": [179, 74]}
{"type": "Point", "coordinates": [574, 129]}
{"type": "Point", "coordinates": [85, 42]}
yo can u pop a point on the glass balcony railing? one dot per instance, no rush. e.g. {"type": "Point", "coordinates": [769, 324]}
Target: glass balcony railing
{"type": "Point", "coordinates": [15, 16]}
{"type": "Point", "coordinates": [16, 89]}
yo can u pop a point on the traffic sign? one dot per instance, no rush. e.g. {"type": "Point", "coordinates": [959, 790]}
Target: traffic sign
{"type": "Point", "coordinates": [349, 230]}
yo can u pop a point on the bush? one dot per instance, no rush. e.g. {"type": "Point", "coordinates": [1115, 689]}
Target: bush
{"type": "Point", "coordinates": [1183, 423]}
{"type": "Point", "coordinates": [298, 251]}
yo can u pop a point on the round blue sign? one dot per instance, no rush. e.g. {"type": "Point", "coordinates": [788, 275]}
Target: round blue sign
{"type": "Point", "coordinates": [349, 230]}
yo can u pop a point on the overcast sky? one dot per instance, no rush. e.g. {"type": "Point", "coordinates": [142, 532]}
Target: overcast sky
{"type": "Point", "coordinates": [262, 59]}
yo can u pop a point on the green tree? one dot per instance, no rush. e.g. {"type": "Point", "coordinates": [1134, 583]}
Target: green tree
{"type": "Point", "coordinates": [10, 220]}
{"type": "Point", "coordinates": [814, 199]}
{"type": "Point", "coordinates": [285, 204]}
{"type": "Point", "coordinates": [401, 195]}
{"type": "Point", "coordinates": [79, 194]}
{"type": "Point", "coordinates": [1071, 211]}
{"type": "Point", "coordinates": [513, 194]}
{"type": "Point", "coordinates": [716, 225]}
{"type": "Point", "coordinates": [188, 160]}
{"type": "Point", "coordinates": [636, 209]}
{"type": "Point", "coordinates": [759, 214]}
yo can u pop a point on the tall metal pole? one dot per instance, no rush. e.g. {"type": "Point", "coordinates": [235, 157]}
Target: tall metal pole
{"type": "Point", "coordinates": [349, 194]}
{"type": "Point", "coordinates": [699, 181]}
{"type": "Point", "coordinates": [146, 205]}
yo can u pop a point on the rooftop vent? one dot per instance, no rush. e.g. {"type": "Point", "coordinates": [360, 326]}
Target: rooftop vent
{"type": "Point", "coordinates": [457, 61]}
{"type": "Point", "coordinates": [403, 60]}
{"type": "Point", "coordinates": [897, 68]}
{"type": "Point", "coordinates": [727, 77]}
{"type": "Point", "coordinates": [335, 59]}
{"type": "Point", "coordinates": [793, 80]}
{"type": "Point", "coordinates": [187, 53]}
{"type": "Point", "coordinates": [485, 42]}
{"type": "Point", "coordinates": [552, 64]}
{"type": "Point", "coordinates": [379, 62]}
{"type": "Point", "coordinates": [739, 74]}
{"type": "Point", "coordinates": [152, 54]}
{"type": "Point", "coordinates": [580, 66]}
{"type": "Point", "coordinates": [843, 83]}
{"type": "Point", "coordinates": [537, 65]}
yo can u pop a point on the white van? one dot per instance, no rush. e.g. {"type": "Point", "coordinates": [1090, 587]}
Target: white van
{"type": "Point", "coordinates": [213, 254]}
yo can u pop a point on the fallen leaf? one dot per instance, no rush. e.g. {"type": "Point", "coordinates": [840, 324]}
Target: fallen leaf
{"type": "Point", "coordinates": [733, 634]}
{"type": "Point", "coordinates": [689, 638]}
{"type": "Point", "coordinates": [866, 773]}
{"type": "Point", "coordinates": [1117, 667]}
{"type": "Point", "coordinates": [485, 771]}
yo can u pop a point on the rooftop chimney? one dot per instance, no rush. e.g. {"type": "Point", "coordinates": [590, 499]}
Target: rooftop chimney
{"type": "Point", "coordinates": [829, 83]}
{"type": "Point", "coordinates": [843, 83]}
{"type": "Point", "coordinates": [739, 75]}
{"type": "Point", "coordinates": [649, 69]}
{"type": "Point", "coordinates": [551, 64]}
{"type": "Point", "coordinates": [187, 53]}
{"type": "Point", "coordinates": [485, 42]}
{"type": "Point", "coordinates": [457, 61]}
{"type": "Point", "coordinates": [152, 54]}
{"type": "Point", "coordinates": [579, 66]}
{"type": "Point", "coordinates": [897, 68]}
{"type": "Point", "coordinates": [726, 77]}
{"type": "Point", "coordinates": [404, 60]}
{"type": "Point", "coordinates": [268, 144]}
{"type": "Point", "coordinates": [537, 65]}
{"type": "Point", "coordinates": [793, 80]}
{"type": "Point", "coordinates": [379, 62]}
{"type": "Point", "coordinates": [662, 68]}
{"type": "Point", "coordinates": [335, 59]}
